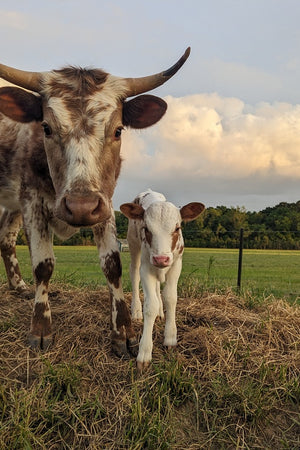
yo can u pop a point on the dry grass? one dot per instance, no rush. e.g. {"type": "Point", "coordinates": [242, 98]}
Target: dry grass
{"type": "Point", "coordinates": [232, 382]}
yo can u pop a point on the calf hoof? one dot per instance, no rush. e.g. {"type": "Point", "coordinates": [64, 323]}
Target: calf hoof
{"type": "Point", "coordinates": [119, 348]}
{"type": "Point", "coordinates": [133, 346]}
{"type": "Point", "coordinates": [39, 342]}
{"type": "Point", "coordinates": [142, 366]}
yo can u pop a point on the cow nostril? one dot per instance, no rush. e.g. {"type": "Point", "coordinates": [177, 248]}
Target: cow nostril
{"type": "Point", "coordinates": [68, 210]}
{"type": "Point", "coordinates": [96, 211]}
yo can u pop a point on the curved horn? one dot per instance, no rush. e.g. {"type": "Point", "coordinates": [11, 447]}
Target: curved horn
{"type": "Point", "coordinates": [139, 85]}
{"type": "Point", "coordinates": [27, 80]}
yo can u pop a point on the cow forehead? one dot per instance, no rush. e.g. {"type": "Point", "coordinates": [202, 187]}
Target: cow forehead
{"type": "Point", "coordinates": [162, 216]}
{"type": "Point", "coordinates": [80, 96]}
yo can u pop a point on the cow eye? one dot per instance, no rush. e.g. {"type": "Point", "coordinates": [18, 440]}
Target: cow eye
{"type": "Point", "coordinates": [47, 129]}
{"type": "Point", "coordinates": [177, 229]}
{"type": "Point", "coordinates": [118, 132]}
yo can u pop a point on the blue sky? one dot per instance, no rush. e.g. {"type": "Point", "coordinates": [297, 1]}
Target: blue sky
{"type": "Point", "coordinates": [231, 134]}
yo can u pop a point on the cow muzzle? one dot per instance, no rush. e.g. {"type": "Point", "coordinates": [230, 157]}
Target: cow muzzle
{"type": "Point", "coordinates": [161, 261]}
{"type": "Point", "coordinates": [83, 210]}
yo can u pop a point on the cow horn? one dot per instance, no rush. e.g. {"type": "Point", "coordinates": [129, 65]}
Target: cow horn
{"type": "Point", "coordinates": [27, 80]}
{"type": "Point", "coordinates": [139, 85]}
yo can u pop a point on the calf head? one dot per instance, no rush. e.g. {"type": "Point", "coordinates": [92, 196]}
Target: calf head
{"type": "Point", "coordinates": [160, 226]}
{"type": "Point", "coordinates": [83, 113]}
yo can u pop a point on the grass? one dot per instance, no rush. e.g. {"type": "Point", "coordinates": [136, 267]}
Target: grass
{"type": "Point", "coordinates": [232, 382]}
{"type": "Point", "coordinates": [265, 272]}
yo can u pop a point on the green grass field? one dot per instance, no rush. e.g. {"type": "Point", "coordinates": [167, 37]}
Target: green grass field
{"type": "Point", "coordinates": [265, 272]}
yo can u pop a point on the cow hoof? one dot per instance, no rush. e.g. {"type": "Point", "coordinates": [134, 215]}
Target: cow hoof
{"type": "Point", "coordinates": [142, 366]}
{"type": "Point", "coordinates": [39, 343]}
{"type": "Point", "coordinates": [26, 294]}
{"type": "Point", "coordinates": [133, 346]}
{"type": "Point", "coordinates": [119, 348]}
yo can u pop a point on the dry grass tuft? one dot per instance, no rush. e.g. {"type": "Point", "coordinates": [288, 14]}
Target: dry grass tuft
{"type": "Point", "coordinates": [232, 382]}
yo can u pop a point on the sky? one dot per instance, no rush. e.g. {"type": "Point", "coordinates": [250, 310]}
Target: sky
{"type": "Point", "coordinates": [231, 134]}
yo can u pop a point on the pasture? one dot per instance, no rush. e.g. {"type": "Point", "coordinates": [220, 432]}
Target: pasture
{"type": "Point", "coordinates": [265, 272]}
{"type": "Point", "coordinates": [233, 382]}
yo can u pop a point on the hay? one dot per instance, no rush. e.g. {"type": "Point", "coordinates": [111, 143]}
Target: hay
{"type": "Point", "coordinates": [217, 335]}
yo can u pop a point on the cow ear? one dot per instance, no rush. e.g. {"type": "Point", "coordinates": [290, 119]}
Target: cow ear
{"type": "Point", "coordinates": [191, 211]}
{"type": "Point", "coordinates": [20, 105]}
{"type": "Point", "coordinates": [132, 211]}
{"type": "Point", "coordinates": [143, 111]}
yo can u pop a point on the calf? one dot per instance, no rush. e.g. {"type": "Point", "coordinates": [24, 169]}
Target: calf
{"type": "Point", "coordinates": [156, 247]}
{"type": "Point", "coordinates": [59, 164]}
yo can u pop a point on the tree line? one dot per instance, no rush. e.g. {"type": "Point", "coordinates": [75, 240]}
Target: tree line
{"type": "Point", "coordinates": [275, 227]}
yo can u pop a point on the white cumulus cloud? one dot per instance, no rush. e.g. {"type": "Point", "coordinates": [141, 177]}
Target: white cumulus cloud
{"type": "Point", "coordinates": [206, 137]}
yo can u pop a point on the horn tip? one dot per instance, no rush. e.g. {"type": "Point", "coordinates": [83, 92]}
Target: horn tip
{"type": "Point", "coordinates": [187, 52]}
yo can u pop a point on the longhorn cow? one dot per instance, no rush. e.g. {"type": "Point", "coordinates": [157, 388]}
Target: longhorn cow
{"type": "Point", "coordinates": [60, 137]}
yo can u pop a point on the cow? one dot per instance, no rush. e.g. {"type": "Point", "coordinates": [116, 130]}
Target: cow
{"type": "Point", "coordinates": [60, 136]}
{"type": "Point", "coordinates": [156, 246]}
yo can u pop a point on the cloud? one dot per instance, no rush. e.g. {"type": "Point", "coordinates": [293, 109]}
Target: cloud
{"type": "Point", "coordinates": [213, 144]}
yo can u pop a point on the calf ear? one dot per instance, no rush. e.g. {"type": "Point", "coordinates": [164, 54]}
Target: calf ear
{"type": "Point", "coordinates": [191, 211]}
{"type": "Point", "coordinates": [143, 111]}
{"type": "Point", "coordinates": [20, 105]}
{"type": "Point", "coordinates": [132, 211]}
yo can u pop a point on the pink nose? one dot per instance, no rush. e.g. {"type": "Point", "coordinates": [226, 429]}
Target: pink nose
{"type": "Point", "coordinates": [161, 261]}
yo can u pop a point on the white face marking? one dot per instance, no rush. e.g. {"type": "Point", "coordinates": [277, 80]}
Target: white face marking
{"type": "Point", "coordinates": [82, 163]}
{"type": "Point", "coordinates": [82, 154]}
{"type": "Point", "coordinates": [161, 219]}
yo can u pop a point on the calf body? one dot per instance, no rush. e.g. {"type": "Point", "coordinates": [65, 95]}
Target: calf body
{"type": "Point", "coordinates": [59, 163]}
{"type": "Point", "coordinates": [156, 247]}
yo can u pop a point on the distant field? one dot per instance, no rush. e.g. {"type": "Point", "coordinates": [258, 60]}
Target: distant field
{"type": "Point", "coordinates": [265, 272]}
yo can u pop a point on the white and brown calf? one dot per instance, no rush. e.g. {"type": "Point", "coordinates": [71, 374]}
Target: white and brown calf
{"type": "Point", "coordinates": [59, 163]}
{"type": "Point", "coordinates": [156, 247]}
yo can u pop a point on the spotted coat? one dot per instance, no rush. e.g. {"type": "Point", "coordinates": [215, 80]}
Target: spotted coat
{"type": "Point", "coordinates": [60, 159]}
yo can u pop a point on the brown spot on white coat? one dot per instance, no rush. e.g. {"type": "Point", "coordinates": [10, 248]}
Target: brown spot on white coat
{"type": "Point", "coordinates": [156, 256]}
{"type": "Point", "coordinates": [62, 175]}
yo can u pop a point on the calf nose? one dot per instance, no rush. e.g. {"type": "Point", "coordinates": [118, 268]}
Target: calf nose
{"type": "Point", "coordinates": [161, 261]}
{"type": "Point", "coordinates": [84, 210]}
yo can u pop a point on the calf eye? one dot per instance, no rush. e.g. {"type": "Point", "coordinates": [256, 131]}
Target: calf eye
{"type": "Point", "coordinates": [177, 229]}
{"type": "Point", "coordinates": [47, 129]}
{"type": "Point", "coordinates": [118, 132]}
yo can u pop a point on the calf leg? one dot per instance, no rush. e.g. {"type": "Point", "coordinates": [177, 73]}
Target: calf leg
{"type": "Point", "coordinates": [161, 306]}
{"type": "Point", "coordinates": [170, 301]}
{"type": "Point", "coordinates": [150, 312]}
{"type": "Point", "coordinates": [135, 262]}
{"type": "Point", "coordinates": [122, 332]}
{"type": "Point", "coordinates": [10, 224]}
{"type": "Point", "coordinates": [40, 244]}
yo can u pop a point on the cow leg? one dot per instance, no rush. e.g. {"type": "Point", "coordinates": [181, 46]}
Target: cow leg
{"type": "Point", "coordinates": [10, 224]}
{"type": "Point", "coordinates": [150, 312]}
{"type": "Point", "coordinates": [39, 238]}
{"type": "Point", "coordinates": [123, 335]}
{"type": "Point", "coordinates": [170, 301]}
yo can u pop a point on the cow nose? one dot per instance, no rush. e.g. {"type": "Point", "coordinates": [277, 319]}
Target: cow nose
{"type": "Point", "coordinates": [84, 210]}
{"type": "Point", "coordinates": [161, 261]}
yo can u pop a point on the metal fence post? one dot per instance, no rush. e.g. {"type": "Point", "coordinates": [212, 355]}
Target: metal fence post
{"type": "Point", "coordinates": [240, 259]}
